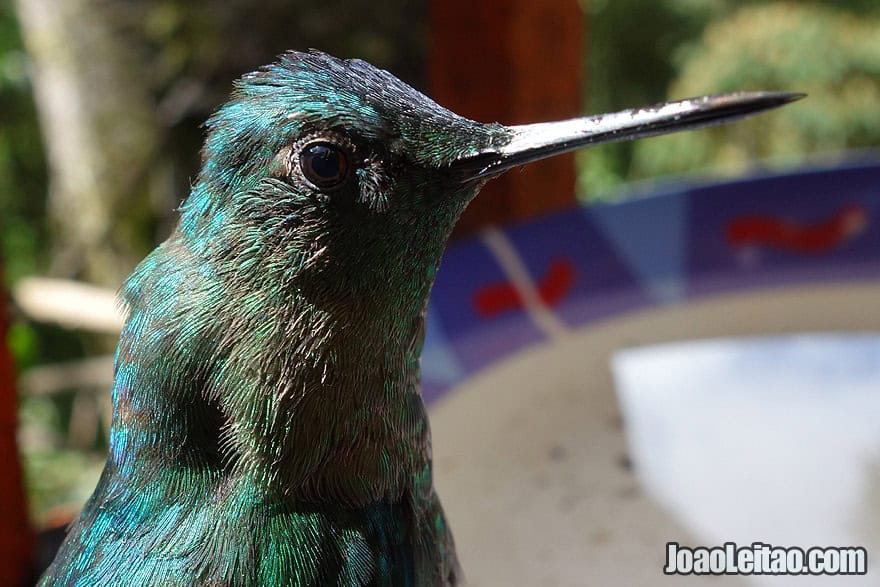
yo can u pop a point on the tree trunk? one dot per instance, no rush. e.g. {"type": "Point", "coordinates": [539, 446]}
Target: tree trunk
{"type": "Point", "coordinates": [99, 128]}
{"type": "Point", "coordinates": [516, 61]}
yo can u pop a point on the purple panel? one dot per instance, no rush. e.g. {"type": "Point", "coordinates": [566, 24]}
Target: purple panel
{"type": "Point", "coordinates": [477, 339]}
{"type": "Point", "coordinates": [809, 227]}
{"type": "Point", "coordinates": [814, 226]}
{"type": "Point", "coordinates": [601, 283]}
{"type": "Point", "coordinates": [432, 391]}
{"type": "Point", "coordinates": [440, 367]}
{"type": "Point", "coordinates": [650, 235]}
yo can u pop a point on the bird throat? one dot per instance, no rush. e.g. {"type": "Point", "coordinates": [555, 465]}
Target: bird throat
{"type": "Point", "coordinates": [301, 399]}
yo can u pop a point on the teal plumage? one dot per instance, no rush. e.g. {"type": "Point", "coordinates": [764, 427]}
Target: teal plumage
{"type": "Point", "coordinates": [268, 427]}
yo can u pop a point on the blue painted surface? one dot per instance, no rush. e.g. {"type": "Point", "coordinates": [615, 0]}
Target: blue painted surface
{"type": "Point", "coordinates": [661, 248]}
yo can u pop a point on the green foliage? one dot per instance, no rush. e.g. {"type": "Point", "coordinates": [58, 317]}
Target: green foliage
{"type": "Point", "coordinates": [23, 343]}
{"type": "Point", "coordinates": [831, 55]}
{"type": "Point", "coordinates": [830, 50]}
{"type": "Point", "coordinates": [22, 164]}
{"type": "Point", "coordinates": [60, 478]}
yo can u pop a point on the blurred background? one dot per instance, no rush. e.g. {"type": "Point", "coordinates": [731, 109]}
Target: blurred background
{"type": "Point", "coordinates": [101, 107]}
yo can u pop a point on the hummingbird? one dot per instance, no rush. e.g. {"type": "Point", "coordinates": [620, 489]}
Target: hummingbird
{"type": "Point", "coordinates": [268, 426]}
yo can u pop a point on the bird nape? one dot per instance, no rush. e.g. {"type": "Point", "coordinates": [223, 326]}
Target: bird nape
{"type": "Point", "coordinates": [268, 427]}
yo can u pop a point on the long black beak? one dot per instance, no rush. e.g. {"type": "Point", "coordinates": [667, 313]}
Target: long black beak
{"type": "Point", "coordinates": [531, 142]}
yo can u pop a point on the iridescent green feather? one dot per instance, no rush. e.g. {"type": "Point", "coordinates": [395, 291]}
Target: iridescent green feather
{"type": "Point", "coordinates": [268, 427]}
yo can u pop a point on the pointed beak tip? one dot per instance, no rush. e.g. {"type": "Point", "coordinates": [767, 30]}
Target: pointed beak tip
{"type": "Point", "coordinates": [730, 106]}
{"type": "Point", "coordinates": [532, 142]}
{"type": "Point", "coordinates": [772, 99]}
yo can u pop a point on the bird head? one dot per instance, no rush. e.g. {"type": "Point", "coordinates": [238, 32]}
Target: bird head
{"type": "Point", "coordinates": [334, 176]}
{"type": "Point", "coordinates": [289, 302]}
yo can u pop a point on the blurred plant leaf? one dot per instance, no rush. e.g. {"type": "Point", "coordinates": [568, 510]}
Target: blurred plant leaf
{"type": "Point", "coordinates": [830, 54]}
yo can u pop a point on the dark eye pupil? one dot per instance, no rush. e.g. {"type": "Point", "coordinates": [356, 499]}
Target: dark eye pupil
{"type": "Point", "coordinates": [324, 164]}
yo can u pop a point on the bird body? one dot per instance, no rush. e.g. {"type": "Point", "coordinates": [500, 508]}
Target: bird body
{"type": "Point", "coordinates": [268, 427]}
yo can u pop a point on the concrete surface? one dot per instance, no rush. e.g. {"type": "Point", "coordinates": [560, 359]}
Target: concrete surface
{"type": "Point", "coordinates": [532, 461]}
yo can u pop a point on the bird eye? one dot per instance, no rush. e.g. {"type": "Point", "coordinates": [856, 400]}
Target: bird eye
{"type": "Point", "coordinates": [324, 164]}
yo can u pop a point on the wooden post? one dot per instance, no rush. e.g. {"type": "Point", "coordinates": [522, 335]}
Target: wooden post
{"type": "Point", "coordinates": [514, 61]}
{"type": "Point", "coordinates": [16, 539]}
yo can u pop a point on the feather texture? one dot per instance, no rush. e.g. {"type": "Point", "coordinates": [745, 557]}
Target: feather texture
{"type": "Point", "coordinates": [268, 427]}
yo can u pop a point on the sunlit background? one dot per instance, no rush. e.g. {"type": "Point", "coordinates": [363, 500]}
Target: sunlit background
{"type": "Point", "coordinates": [97, 150]}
